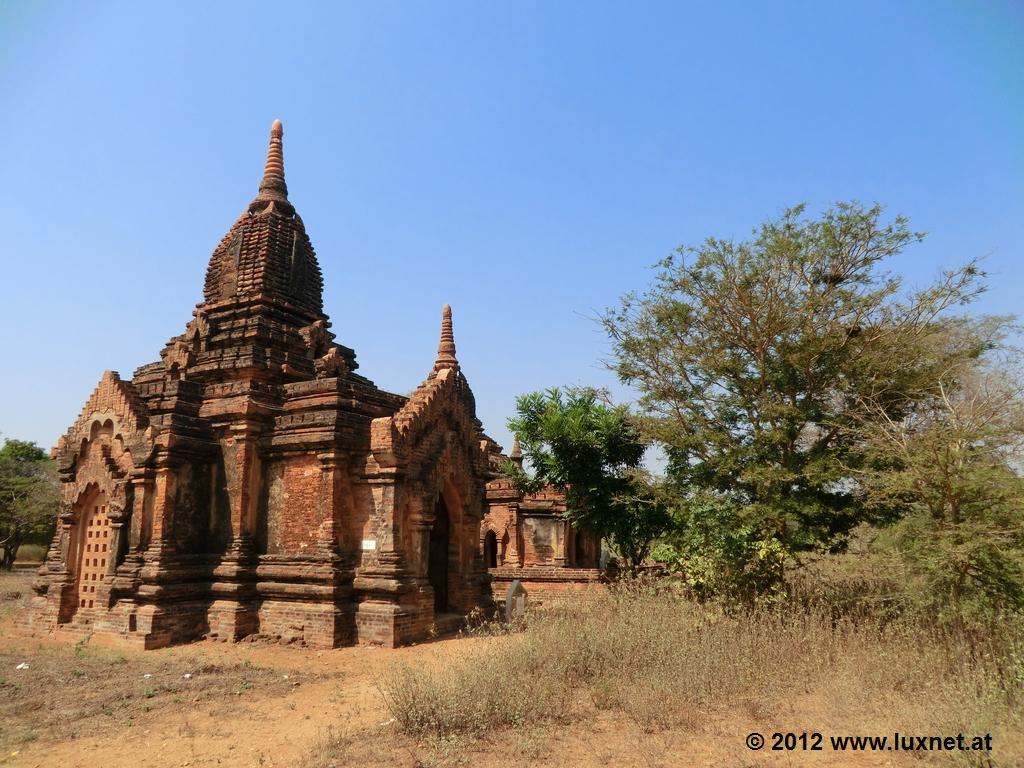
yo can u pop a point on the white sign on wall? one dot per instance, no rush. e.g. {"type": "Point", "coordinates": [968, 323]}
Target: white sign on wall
{"type": "Point", "coordinates": [369, 545]}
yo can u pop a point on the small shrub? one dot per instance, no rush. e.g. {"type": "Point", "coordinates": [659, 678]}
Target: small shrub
{"type": "Point", "coordinates": [81, 647]}
{"type": "Point", "coordinates": [475, 695]}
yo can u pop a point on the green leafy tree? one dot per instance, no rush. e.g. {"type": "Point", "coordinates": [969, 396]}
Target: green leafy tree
{"type": "Point", "coordinates": [754, 360]}
{"type": "Point", "coordinates": [719, 550]}
{"type": "Point", "coordinates": [28, 498]}
{"type": "Point", "coordinates": [953, 463]}
{"type": "Point", "coordinates": [592, 452]}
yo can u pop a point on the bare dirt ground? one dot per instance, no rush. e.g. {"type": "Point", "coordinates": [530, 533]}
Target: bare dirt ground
{"type": "Point", "coordinates": [245, 704]}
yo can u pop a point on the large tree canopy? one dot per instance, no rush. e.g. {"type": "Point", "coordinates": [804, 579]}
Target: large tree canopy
{"type": "Point", "coordinates": [755, 360]}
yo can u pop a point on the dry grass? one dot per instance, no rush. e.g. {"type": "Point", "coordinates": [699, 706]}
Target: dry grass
{"type": "Point", "coordinates": [31, 553]}
{"type": "Point", "coordinates": [638, 677]}
{"type": "Point", "coordinates": [15, 592]}
{"type": "Point", "coordinates": [665, 664]}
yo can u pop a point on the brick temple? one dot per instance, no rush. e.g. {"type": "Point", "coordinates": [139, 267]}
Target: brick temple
{"type": "Point", "coordinates": [251, 482]}
{"type": "Point", "coordinates": [527, 538]}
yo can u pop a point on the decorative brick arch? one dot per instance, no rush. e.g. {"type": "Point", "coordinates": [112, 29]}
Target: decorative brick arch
{"type": "Point", "coordinates": [113, 404]}
{"type": "Point", "coordinates": [91, 547]}
{"type": "Point", "coordinates": [500, 534]}
{"type": "Point", "coordinates": [452, 480]}
{"type": "Point", "coordinates": [96, 460]}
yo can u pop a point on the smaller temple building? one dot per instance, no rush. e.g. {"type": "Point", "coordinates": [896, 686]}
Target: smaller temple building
{"type": "Point", "coordinates": [526, 537]}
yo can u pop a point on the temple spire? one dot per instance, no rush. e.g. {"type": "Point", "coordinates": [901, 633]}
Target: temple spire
{"type": "Point", "coordinates": [517, 453]}
{"type": "Point", "coordinates": [446, 348]}
{"type": "Point", "coordinates": [272, 186]}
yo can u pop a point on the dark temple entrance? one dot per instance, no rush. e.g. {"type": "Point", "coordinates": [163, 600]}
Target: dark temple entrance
{"type": "Point", "coordinates": [580, 551]}
{"type": "Point", "coordinates": [490, 550]}
{"type": "Point", "coordinates": [437, 559]}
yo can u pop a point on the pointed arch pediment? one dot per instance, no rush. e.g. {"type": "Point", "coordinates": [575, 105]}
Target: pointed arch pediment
{"type": "Point", "coordinates": [115, 409]}
{"type": "Point", "coordinates": [443, 401]}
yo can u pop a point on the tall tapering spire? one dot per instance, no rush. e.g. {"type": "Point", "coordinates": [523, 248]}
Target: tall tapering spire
{"type": "Point", "coordinates": [517, 453]}
{"type": "Point", "coordinates": [272, 186]}
{"type": "Point", "coordinates": [446, 348]}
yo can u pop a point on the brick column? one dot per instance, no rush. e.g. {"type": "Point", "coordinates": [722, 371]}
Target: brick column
{"type": "Point", "coordinates": [160, 538]}
{"type": "Point", "coordinates": [561, 527]}
{"type": "Point", "coordinates": [241, 464]}
{"type": "Point", "coordinates": [329, 502]}
{"type": "Point", "coordinates": [512, 555]}
{"type": "Point", "coordinates": [387, 507]}
{"type": "Point", "coordinates": [62, 538]}
{"type": "Point", "coordinates": [116, 532]}
{"type": "Point", "coordinates": [419, 538]}
{"type": "Point", "coordinates": [232, 614]}
{"type": "Point", "coordinates": [55, 574]}
{"type": "Point", "coordinates": [386, 591]}
{"type": "Point", "coordinates": [139, 527]}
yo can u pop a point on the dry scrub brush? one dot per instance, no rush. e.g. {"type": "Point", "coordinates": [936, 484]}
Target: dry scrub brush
{"type": "Point", "coordinates": [663, 662]}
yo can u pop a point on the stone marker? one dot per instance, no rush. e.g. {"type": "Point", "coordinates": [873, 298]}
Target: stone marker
{"type": "Point", "coordinates": [515, 601]}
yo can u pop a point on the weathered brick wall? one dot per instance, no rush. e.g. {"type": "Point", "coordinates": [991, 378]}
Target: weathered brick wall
{"type": "Point", "coordinates": [362, 522]}
{"type": "Point", "coordinates": [539, 540]}
{"type": "Point", "coordinates": [192, 507]}
{"type": "Point", "coordinates": [319, 625]}
{"type": "Point", "coordinates": [270, 508]}
{"type": "Point", "coordinates": [220, 508]}
{"type": "Point", "coordinates": [547, 585]}
{"type": "Point", "coordinates": [416, 621]}
{"type": "Point", "coordinates": [292, 518]}
{"type": "Point", "coordinates": [375, 623]}
{"type": "Point", "coordinates": [304, 599]}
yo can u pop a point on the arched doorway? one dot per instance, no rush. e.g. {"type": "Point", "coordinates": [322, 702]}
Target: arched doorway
{"type": "Point", "coordinates": [580, 550]}
{"type": "Point", "coordinates": [93, 544]}
{"type": "Point", "coordinates": [437, 559]}
{"type": "Point", "coordinates": [490, 550]}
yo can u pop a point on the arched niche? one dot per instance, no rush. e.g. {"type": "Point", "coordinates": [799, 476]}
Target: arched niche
{"type": "Point", "coordinates": [490, 549]}
{"type": "Point", "coordinates": [439, 555]}
{"type": "Point", "coordinates": [445, 560]}
{"type": "Point", "coordinates": [91, 546]}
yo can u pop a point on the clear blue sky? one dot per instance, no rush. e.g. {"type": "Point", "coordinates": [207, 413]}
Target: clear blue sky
{"type": "Point", "coordinates": [526, 162]}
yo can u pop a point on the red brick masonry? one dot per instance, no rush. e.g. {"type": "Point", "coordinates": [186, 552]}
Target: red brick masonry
{"type": "Point", "coordinates": [251, 482]}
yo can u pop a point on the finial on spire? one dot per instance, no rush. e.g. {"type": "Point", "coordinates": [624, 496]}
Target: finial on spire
{"type": "Point", "coordinates": [272, 186]}
{"type": "Point", "coordinates": [446, 348]}
{"type": "Point", "coordinates": [275, 153]}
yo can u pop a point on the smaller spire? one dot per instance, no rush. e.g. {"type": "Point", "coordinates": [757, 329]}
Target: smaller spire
{"type": "Point", "coordinates": [517, 453]}
{"type": "Point", "coordinates": [272, 186]}
{"type": "Point", "coordinates": [446, 348]}
{"type": "Point", "coordinates": [275, 152]}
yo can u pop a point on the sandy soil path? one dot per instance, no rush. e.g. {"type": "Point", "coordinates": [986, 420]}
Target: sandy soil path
{"type": "Point", "coordinates": [247, 730]}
